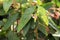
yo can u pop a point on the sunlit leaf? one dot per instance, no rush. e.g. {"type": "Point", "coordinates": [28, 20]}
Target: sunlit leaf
{"type": "Point", "coordinates": [42, 14]}
{"type": "Point", "coordinates": [39, 2]}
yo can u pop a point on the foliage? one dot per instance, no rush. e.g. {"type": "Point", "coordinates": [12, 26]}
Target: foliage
{"type": "Point", "coordinates": [29, 20]}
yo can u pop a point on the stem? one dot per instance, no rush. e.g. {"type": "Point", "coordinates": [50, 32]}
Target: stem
{"type": "Point", "coordinates": [36, 32]}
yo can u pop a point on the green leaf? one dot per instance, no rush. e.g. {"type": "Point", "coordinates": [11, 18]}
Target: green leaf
{"type": "Point", "coordinates": [57, 34]}
{"type": "Point", "coordinates": [52, 24]}
{"type": "Point", "coordinates": [2, 12]}
{"type": "Point", "coordinates": [7, 4]}
{"type": "Point", "coordinates": [18, 1]}
{"type": "Point", "coordinates": [1, 23]}
{"type": "Point", "coordinates": [26, 29]}
{"type": "Point", "coordinates": [42, 14]}
{"type": "Point", "coordinates": [47, 5]}
{"type": "Point", "coordinates": [52, 30]}
{"type": "Point", "coordinates": [25, 17]}
{"type": "Point", "coordinates": [43, 29]}
{"type": "Point", "coordinates": [23, 1]}
{"type": "Point", "coordinates": [39, 2]}
{"type": "Point", "coordinates": [56, 2]}
{"type": "Point", "coordinates": [29, 25]}
{"type": "Point", "coordinates": [10, 21]}
{"type": "Point", "coordinates": [12, 36]}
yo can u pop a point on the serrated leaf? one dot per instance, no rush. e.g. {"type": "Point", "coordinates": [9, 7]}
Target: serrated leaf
{"type": "Point", "coordinates": [25, 17]}
{"type": "Point", "coordinates": [10, 21]}
{"type": "Point", "coordinates": [7, 4]}
{"type": "Point", "coordinates": [42, 14]}
{"type": "Point", "coordinates": [12, 36]}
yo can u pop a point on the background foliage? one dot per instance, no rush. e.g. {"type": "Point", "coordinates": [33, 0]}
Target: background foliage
{"type": "Point", "coordinates": [29, 19]}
